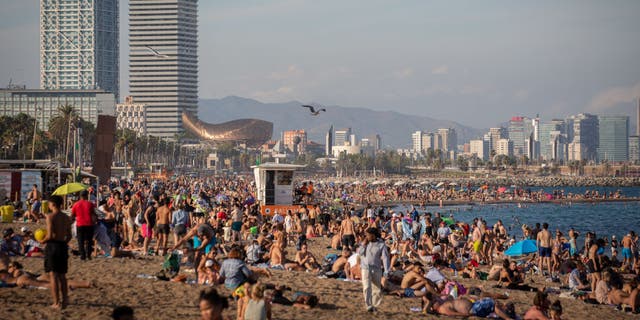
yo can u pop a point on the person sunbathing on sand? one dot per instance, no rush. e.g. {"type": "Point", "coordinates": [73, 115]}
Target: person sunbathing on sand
{"type": "Point", "coordinates": [464, 307]}
{"type": "Point", "coordinates": [305, 261]}
{"type": "Point", "coordinates": [414, 281]}
{"type": "Point", "coordinates": [23, 279]}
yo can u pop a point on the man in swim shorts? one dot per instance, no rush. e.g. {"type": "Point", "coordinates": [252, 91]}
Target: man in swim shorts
{"type": "Point", "coordinates": [543, 241]}
{"type": "Point", "coordinates": [627, 255]}
{"type": "Point", "coordinates": [56, 252]}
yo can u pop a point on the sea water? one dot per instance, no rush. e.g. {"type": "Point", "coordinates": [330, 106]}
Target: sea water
{"type": "Point", "coordinates": [603, 218]}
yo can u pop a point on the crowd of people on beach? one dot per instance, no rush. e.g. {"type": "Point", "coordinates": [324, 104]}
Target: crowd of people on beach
{"type": "Point", "coordinates": [215, 227]}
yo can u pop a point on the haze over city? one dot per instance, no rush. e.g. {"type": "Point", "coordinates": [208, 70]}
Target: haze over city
{"type": "Point", "coordinates": [439, 59]}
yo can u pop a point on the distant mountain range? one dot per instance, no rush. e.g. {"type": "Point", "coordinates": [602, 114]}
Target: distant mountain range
{"type": "Point", "coordinates": [394, 128]}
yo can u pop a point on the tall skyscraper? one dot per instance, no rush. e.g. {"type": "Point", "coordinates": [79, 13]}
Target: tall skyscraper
{"type": "Point", "coordinates": [163, 61]}
{"type": "Point", "coordinates": [79, 46]}
{"type": "Point", "coordinates": [328, 142]}
{"type": "Point", "coordinates": [341, 137]}
{"type": "Point", "coordinates": [584, 143]}
{"type": "Point", "coordinates": [547, 144]}
{"type": "Point", "coordinates": [519, 129]}
{"type": "Point", "coordinates": [613, 138]}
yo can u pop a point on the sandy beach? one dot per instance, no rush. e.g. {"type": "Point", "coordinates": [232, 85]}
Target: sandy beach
{"type": "Point", "coordinates": [117, 283]}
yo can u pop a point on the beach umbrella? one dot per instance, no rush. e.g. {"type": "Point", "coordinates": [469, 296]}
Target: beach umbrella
{"type": "Point", "coordinates": [521, 248]}
{"type": "Point", "coordinates": [502, 189]}
{"type": "Point", "coordinates": [439, 184]}
{"type": "Point", "coordinates": [448, 220]}
{"type": "Point", "coordinates": [68, 188]}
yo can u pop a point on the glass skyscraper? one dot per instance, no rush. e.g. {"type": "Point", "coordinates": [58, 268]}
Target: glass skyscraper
{"type": "Point", "coordinates": [614, 138]}
{"type": "Point", "coordinates": [79, 47]}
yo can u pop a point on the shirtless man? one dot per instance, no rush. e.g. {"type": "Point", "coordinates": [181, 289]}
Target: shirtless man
{"type": "Point", "coordinates": [163, 216]}
{"type": "Point", "coordinates": [594, 263]}
{"type": "Point", "coordinates": [413, 281]}
{"type": "Point", "coordinates": [627, 255]}
{"type": "Point", "coordinates": [56, 252]}
{"type": "Point", "coordinates": [341, 264]}
{"type": "Point", "coordinates": [276, 256]}
{"type": "Point", "coordinates": [543, 241]}
{"type": "Point", "coordinates": [35, 198]}
{"type": "Point", "coordinates": [347, 232]}
{"type": "Point", "coordinates": [305, 261]}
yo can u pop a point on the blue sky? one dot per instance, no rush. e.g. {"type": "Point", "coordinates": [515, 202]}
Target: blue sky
{"type": "Point", "coordinates": [475, 62]}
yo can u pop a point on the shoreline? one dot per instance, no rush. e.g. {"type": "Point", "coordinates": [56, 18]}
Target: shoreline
{"type": "Point", "coordinates": [446, 203]}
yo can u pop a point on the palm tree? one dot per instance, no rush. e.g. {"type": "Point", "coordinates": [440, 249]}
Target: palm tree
{"type": "Point", "coordinates": [61, 124]}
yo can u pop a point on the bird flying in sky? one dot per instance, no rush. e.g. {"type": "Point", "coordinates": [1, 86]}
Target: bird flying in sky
{"type": "Point", "coordinates": [313, 109]}
{"type": "Point", "coordinates": [156, 53]}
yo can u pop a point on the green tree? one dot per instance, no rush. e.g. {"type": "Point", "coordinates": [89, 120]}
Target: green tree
{"type": "Point", "coordinates": [61, 126]}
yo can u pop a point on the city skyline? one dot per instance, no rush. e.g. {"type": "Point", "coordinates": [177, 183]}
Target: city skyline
{"type": "Point", "coordinates": [440, 60]}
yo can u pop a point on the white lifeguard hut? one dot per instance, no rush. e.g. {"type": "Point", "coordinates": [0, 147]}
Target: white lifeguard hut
{"type": "Point", "coordinates": [274, 184]}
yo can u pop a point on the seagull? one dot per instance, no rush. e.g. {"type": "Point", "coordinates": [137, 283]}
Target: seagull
{"type": "Point", "coordinates": [157, 54]}
{"type": "Point", "coordinates": [313, 110]}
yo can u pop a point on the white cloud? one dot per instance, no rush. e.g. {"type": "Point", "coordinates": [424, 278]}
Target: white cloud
{"type": "Point", "coordinates": [292, 72]}
{"type": "Point", "coordinates": [403, 73]}
{"type": "Point", "coordinates": [283, 93]}
{"type": "Point", "coordinates": [614, 96]}
{"type": "Point", "coordinates": [443, 69]}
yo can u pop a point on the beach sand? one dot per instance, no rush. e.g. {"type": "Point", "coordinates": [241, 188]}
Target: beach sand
{"type": "Point", "coordinates": [117, 284]}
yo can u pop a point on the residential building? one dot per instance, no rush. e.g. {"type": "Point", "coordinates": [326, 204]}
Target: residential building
{"type": "Point", "coordinates": [79, 46]}
{"type": "Point", "coordinates": [163, 61]}
{"type": "Point", "coordinates": [416, 142]}
{"type": "Point", "coordinates": [289, 139]}
{"type": "Point", "coordinates": [43, 104]}
{"type": "Point", "coordinates": [449, 139]}
{"type": "Point", "coordinates": [613, 143]}
{"type": "Point", "coordinates": [132, 116]}
{"type": "Point", "coordinates": [346, 149]}
{"type": "Point", "coordinates": [496, 134]}
{"type": "Point", "coordinates": [504, 147]}
{"type": "Point", "coordinates": [480, 148]}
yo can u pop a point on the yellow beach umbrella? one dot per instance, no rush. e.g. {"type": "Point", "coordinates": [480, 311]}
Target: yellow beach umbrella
{"type": "Point", "coordinates": [68, 188]}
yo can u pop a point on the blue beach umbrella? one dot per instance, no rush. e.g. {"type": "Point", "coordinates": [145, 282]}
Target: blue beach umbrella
{"type": "Point", "coordinates": [521, 248]}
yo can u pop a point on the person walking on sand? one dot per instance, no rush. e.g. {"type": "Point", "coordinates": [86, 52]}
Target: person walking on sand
{"type": "Point", "coordinates": [56, 252]}
{"type": "Point", "coordinates": [374, 255]}
{"type": "Point", "coordinates": [85, 216]}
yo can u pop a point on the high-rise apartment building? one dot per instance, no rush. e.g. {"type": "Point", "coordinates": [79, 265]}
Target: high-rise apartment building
{"type": "Point", "coordinates": [480, 148]}
{"type": "Point", "coordinates": [496, 134]}
{"type": "Point", "coordinates": [79, 46]}
{"type": "Point", "coordinates": [449, 139]}
{"type": "Point", "coordinates": [613, 138]}
{"type": "Point", "coordinates": [504, 147]}
{"type": "Point", "coordinates": [163, 61]}
{"type": "Point", "coordinates": [416, 142]}
{"type": "Point", "coordinates": [546, 142]}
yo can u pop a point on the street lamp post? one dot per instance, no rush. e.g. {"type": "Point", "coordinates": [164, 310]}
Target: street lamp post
{"type": "Point", "coordinates": [35, 127]}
